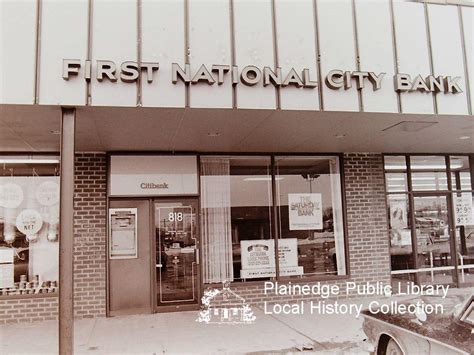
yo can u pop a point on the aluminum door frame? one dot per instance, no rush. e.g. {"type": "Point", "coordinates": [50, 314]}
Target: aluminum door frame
{"type": "Point", "coordinates": [199, 286]}
{"type": "Point", "coordinates": [452, 235]}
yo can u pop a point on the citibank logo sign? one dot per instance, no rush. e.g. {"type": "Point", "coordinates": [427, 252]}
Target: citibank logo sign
{"type": "Point", "coordinates": [152, 185]}
{"type": "Point", "coordinates": [251, 75]}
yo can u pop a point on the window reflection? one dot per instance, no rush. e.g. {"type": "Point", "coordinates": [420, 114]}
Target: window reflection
{"type": "Point", "coordinates": [395, 162]}
{"type": "Point", "coordinates": [401, 250]}
{"type": "Point", "coordinates": [429, 181]}
{"type": "Point", "coordinates": [396, 182]}
{"type": "Point", "coordinates": [235, 202]}
{"type": "Point", "coordinates": [236, 218]}
{"type": "Point", "coordinates": [460, 173]}
{"type": "Point", "coordinates": [29, 224]}
{"type": "Point", "coordinates": [420, 162]}
{"type": "Point", "coordinates": [318, 233]}
{"type": "Point", "coordinates": [432, 213]}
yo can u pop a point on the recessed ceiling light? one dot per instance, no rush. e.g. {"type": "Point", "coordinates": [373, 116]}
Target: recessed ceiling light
{"type": "Point", "coordinates": [213, 134]}
{"type": "Point", "coordinates": [465, 137]}
{"type": "Point", "coordinates": [55, 132]}
{"type": "Point", "coordinates": [339, 136]}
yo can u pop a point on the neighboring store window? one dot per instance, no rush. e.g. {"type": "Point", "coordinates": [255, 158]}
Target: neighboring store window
{"type": "Point", "coordinates": [460, 173]}
{"type": "Point", "coordinates": [463, 216]}
{"type": "Point", "coordinates": [310, 216]}
{"type": "Point", "coordinates": [423, 207]}
{"type": "Point", "coordinates": [236, 218]}
{"type": "Point", "coordinates": [29, 224]}
{"type": "Point", "coordinates": [428, 173]}
{"type": "Point", "coordinates": [401, 248]}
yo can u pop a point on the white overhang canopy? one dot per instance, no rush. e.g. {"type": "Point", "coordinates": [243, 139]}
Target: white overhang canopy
{"type": "Point", "coordinates": [35, 128]}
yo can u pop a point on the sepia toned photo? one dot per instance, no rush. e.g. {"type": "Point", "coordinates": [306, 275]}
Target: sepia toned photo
{"type": "Point", "coordinates": [237, 177]}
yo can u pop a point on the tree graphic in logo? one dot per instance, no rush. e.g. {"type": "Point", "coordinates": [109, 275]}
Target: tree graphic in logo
{"type": "Point", "coordinates": [224, 306]}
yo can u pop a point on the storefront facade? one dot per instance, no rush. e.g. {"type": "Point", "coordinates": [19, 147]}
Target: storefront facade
{"type": "Point", "coordinates": [305, 142]}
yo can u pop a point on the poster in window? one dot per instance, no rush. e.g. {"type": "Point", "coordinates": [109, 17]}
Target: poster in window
{"type": "Point", "coordinates": [398, 213]}
{"type": "Point", "coordinates": [463, 209]}
{"type": "Point", "coordinates": [123, 233]}
{"type": "Point", "coordinates": [258, 258]}
{"type": "Point", "coordinates": [305, 211]}
{"type": "Point", "coordinates": [258, 254]}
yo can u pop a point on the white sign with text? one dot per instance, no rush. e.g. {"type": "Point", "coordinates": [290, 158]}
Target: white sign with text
{"type": "Point", "coordinates": [305, 211]}
{"type": "Point", "coordinates": [153, 175]}
{"type": "Point", "coordinates": [258, 258]}
{"type": "Point", "coordinates": [463, 209]}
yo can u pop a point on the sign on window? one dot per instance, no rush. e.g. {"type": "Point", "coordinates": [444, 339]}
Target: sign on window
{"type": "Point", "coordinates": [463, 209]}
{"type": "Point", "coordinates": [305, 211]}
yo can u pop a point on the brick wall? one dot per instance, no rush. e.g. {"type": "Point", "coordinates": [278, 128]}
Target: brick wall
{"type": "Point", "coordinates": [369, 258]}
{"type": "Point", "coordinates": [90, 198]}
{"type": "Point", "coordinates": [21, 310]}
{"type": "Point", "coordinates": [367, 217]}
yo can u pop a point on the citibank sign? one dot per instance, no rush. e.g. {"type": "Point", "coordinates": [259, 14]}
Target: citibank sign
{"type": "Point", "coordinates": [251, 75]}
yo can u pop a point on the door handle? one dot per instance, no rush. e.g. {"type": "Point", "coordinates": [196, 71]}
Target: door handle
{"type": "Point", "coordinates": [197, 256]}
{"type": "Point", "coordinates": [159, 265]}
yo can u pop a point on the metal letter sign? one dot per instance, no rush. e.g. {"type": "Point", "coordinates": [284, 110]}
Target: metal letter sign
{"type": "Point", "coordinates": [250, 75]}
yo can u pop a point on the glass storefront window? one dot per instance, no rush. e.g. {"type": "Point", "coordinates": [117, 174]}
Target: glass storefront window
{"type": "Point", "coordinates": [429, 181]}
{"type": "Point", "coordinates": [395, 162]}
{"type": "Point", "coordinates": [464, 233]}
{"type": "Point", "coordinates": [236, 201]}
{"type": "Point", "coordinates": [237, 211]}
{"type": "Point", "coordinates": [432, 235]}
{"type": "Point", "coordinates": [421, 162]}
{"type": "Point", "coordinates": [29, 224]}
{"type": "Point", "coordinates": [310, 216]}
{"type": "Point", "coordinates": [460, 173]}
{"type": "Point", "coordinates": [396, 182]}
{"type": "Point", "coordinates": [440, 213]}
{"type": "Point", "coordinates": [401, 249]}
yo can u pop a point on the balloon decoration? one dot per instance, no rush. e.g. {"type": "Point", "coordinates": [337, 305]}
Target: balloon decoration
{"type": "Point", "coordinates": [29, 222]}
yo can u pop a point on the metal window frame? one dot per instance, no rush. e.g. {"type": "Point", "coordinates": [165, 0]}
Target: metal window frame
{"type": "Point", "coordinates": [411, 194]}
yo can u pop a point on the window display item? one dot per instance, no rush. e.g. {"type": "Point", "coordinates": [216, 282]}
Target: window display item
{"type": "Point", "coordinates": [29, 219]}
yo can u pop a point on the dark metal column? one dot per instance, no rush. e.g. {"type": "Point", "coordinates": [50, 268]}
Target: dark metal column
{"type": "Point", "coordinates": [66, 240]}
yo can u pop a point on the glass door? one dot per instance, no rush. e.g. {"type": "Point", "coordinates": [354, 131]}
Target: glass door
{"type": "Point", "coordinates": [433, 234]}
{"type": "Point", "coordinates": [177, 254]}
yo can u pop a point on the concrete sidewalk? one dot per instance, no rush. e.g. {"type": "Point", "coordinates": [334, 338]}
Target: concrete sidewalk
{"type": "Point", "coordinates": [179, 333]}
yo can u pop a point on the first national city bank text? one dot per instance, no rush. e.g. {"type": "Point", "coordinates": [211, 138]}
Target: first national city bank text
{"type": "Point", "coordinates": [250, 75]}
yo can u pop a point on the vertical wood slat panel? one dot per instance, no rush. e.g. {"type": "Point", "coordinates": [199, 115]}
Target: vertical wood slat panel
{"type": "Point", "coordinates": [447, 55]}
{"type": "Point", "coordinates": [296, 48]}
{"type": "Point", "coordinates": [209, 22]}
{"type": "Point", "coordinates": [337, 45]}
{"type": "Point", "coordinates": [413, 54]}
{"type": "Point", "coordinates": [114, 37]}
{"type": "Point", "coordinates": [376, 53]}
{"type": "Point", "coordinates": [163, 42]}
{"type": "Point", "coordinates": [18, 51]}
{"type": "Point", "coordinates": [254, 46]}
{"type": "Point", "coordinates": [467, 16]}
{"type": "Point", "coordinates": [63, 36]}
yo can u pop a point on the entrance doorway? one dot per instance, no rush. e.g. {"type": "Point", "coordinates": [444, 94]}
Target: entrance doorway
{"type": "Point", "coordinates": [435, 249]}
{"type": "Point", "coordinates": [176, 240]}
